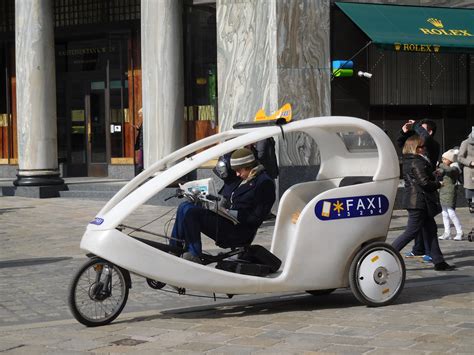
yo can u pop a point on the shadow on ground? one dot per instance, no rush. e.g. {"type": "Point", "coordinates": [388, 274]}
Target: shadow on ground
{"type": "Point", "coordinates": [416, 290]}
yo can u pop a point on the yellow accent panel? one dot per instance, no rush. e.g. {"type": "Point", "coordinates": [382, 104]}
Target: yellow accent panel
{"type": "Point", "coordinates": [283, 112]}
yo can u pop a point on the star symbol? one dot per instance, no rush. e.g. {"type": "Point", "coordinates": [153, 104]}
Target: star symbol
{"type": "Point", "coordinates": [338, 207]}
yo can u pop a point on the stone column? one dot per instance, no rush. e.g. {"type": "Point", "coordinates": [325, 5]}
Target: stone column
{"type": "Point", "coordinates": [270, 53]}
{"type": "Point", "coordinates": [162, 78]}
{"type": "Point", "coordinates": [36, 94]}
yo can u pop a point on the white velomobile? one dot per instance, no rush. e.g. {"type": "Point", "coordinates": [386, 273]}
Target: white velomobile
{"type": "Point", "coordinates": [329, 233]}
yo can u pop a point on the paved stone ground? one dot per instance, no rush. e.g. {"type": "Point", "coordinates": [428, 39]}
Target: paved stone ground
{"type": "Point", "coordinates": [39, 253]}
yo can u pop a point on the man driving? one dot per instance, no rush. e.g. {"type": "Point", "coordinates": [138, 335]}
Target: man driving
{"type": "Point", "coordinates": [250, 202]}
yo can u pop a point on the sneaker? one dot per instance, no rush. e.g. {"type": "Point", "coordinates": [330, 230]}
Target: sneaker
{"type": "Point", "coordinates": [427, 259]}
{"type": "Point", "coordinates": [459, 236]}
{"type": "Point", "coordinates": [190, 257]}
{"type": "Point", "coordinates": [444, 266]}
{"type": "Point", "coordinates": [445, 236]}
{"type": "Point", "coordinates": [410, 255]}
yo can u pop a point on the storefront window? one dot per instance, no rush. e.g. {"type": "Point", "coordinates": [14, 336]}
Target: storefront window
{"type": "Point", "coordinates": [6, 117]}
{"type": "Point", "coordinates": [3, 108]}
{"type": "Point", "coordinates": [200, 71]}
{"type": "Point", "coordinates": [120, 124]}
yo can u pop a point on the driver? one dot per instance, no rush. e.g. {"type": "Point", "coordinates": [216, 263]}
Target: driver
{"type": "Point", "coordinates": [250, 202]}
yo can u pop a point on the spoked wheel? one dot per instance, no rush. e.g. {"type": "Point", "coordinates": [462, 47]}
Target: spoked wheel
{"type": "Point", "coordinates": [377, 274]}
{"type": "Point", "coordinates": [98, 292]}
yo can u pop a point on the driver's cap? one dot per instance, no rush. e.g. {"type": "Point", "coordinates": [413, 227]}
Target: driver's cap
{"type": "Point", "coordinates": [242, 158]}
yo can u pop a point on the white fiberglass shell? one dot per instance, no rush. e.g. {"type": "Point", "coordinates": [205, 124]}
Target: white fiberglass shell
{"type": "Point", "coordinates": [315, 253]}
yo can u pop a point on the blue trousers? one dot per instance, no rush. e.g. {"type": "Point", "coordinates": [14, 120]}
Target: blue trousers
{"type": "Point", "coordinates": [192, 220]}
{"type": "Point", "coordinates": [419, 247]}
{"type": "Point", "coordinates": [419, 223]}
{"type": "Point", "coordinates": [178, 229]}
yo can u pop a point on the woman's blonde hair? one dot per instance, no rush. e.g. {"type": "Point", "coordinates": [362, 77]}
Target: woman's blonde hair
{"type": "Point", "coordinates": [412, 143]}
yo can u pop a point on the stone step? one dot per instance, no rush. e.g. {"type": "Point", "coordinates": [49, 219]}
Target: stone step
{"type": "Point", "coordinates": [107, 186]}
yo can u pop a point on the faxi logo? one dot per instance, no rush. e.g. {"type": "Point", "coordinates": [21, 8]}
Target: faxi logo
{"type": "Point", "coordinates": [97, 221]}
{"type": "Point", "coordinates": [351, 207]}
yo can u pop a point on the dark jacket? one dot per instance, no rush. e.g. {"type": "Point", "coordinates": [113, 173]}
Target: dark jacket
{"type": "Point", "coordinates": [431, 145]}
{"type": "Point", "coordinates": [253, 200]}
{"type": "Point", "coordinates": [265, 153]}
{"type": "Point", "coordinates": [447, 192]}
{"type": "Point", "coordinates": [417, 171]}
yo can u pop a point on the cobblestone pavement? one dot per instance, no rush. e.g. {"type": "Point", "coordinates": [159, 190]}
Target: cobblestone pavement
{"type": "Point", "coordinates": [39, 253]}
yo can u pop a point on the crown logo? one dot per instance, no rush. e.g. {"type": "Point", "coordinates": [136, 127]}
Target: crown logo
{"type": "Point", "coordinates": [435, 22]}
{"type": "Point", "coordinates": [397, 46]}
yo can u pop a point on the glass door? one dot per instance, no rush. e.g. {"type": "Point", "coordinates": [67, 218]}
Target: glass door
{"type": "Point", "coordinates": [96, 124]}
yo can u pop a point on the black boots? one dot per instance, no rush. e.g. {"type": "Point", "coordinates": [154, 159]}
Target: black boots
{"type": "Point", "coordinates": [444, 266]}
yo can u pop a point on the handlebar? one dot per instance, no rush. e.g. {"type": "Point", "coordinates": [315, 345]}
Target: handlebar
{"type": "Point", "coordinates": [194, 196]}
{"type": "Point", "coordinates": [212, 197]}
{"type": "Point", "coordinates": [178, 193]}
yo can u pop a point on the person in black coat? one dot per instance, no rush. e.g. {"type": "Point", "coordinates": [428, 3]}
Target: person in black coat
{"type": "Point", "coordinates": [420, 182]}
{"type": "Point", "coordinates": [426, 129]}
{"type": "Point", "coordinates": [250, 202]}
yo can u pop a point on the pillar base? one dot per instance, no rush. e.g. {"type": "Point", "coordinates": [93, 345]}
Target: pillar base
{"type": "Point", "coordinates": [39, 191]}
{"type": "Point", "coordinates": [38, 180]}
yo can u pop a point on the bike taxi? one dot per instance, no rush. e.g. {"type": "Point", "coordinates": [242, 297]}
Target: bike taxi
{"type": "Point", "coordinates": [329, 233]}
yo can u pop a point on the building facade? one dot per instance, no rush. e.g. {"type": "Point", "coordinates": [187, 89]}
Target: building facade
{"type": "Point", "coordinates": [201, 66]}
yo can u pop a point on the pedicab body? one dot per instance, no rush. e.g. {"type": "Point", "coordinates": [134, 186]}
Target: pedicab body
{"type": "Point", "coordinates": [329, 233]}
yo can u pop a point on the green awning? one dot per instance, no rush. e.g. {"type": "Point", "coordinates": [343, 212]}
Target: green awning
{"type": "Point", "coordinates": [413, 28]}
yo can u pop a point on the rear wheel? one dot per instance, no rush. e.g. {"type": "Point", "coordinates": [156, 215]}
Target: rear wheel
{"type": "Point", "coordinates": [377, 274]}
{"type": "Point", "coordinates": [98, 292]}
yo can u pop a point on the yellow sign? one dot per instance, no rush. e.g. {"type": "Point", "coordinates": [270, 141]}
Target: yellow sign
{"type": "Point", "coordinates": [441, 31]}
{"type": "Point", "coordinates": [3, 119]}
{"type": "Point", "coordinates": [284, 112]}
{"type": "Point", "coordinates": [78, 115]}
{"type": "Point", "coordinates": [411, 47]}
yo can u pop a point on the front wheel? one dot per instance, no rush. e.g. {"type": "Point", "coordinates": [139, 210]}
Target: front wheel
{"type": "Point", "coordinates": [377, 274]}
{"type": "Point", "coordinates": [98, 292]}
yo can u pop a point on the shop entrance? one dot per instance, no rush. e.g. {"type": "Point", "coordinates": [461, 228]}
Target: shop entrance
{"type": "Point", "coordinates": [94, 125]}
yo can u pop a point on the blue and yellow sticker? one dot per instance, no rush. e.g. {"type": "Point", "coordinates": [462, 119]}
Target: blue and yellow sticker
{"type": "Point", "coordinates": [351, 207]}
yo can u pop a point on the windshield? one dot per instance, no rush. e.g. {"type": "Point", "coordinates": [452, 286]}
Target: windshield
{"type": "Point", "coordinates": [359, 141]}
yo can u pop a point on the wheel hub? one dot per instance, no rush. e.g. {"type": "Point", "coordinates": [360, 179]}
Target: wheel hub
{"type": "Point", "coordinates": [97, 292]}
{"type": "Point", "coordinates": [380, 275]}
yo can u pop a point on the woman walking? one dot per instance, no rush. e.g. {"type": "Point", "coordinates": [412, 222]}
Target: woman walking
{"type": "Point", "coordinates": [419, 199]}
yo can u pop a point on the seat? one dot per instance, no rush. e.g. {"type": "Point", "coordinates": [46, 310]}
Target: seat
{"type": "Point", "coordinates": [355, 180]}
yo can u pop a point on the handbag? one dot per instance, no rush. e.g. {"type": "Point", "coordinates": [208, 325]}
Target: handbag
{"type": "Point", "coordinates": [433, 205]}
